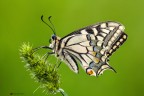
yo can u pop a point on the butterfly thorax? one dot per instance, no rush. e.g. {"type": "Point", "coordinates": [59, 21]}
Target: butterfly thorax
{"type": "Point", "coordinates": [55, 46]}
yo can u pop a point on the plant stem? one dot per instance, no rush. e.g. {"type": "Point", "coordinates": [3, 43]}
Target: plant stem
{"type": "Point", "coordinates": [63, 93]}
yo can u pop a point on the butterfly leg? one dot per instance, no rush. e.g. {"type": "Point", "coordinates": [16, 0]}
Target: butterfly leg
{"type": "Point", "coordinates": [59, 64]}
{"type": "Point", "coordinates": [47, 55]}
{"type": "Point", "coordinates": [44, 47]}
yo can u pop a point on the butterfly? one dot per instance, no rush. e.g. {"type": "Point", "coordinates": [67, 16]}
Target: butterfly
{"type": "Point", "coordinates": [90, 46]}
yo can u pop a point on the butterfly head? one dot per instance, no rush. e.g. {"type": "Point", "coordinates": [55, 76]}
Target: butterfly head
{"type": "Point", "coordinates": [54, 41]}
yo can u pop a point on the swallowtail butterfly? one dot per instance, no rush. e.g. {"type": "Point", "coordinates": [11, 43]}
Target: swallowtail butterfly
{"type": "Point", "coordinates": [91, 46]}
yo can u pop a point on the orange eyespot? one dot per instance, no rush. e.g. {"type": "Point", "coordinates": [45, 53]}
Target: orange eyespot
{"type": "Point", "coordinates": [89, 71]}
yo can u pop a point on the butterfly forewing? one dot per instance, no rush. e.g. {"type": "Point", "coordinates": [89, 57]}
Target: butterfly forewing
{"type": "Point", "coordinates": [92, 46]}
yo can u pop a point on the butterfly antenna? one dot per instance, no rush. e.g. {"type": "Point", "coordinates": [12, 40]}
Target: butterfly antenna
{"type": "Point", "coordinates": [48, 24]}
{"type": "Point", "coordinates": [49, 18]}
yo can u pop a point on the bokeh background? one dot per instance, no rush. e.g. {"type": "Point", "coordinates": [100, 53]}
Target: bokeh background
{"type": "Point", "coordinates": [20, 22]}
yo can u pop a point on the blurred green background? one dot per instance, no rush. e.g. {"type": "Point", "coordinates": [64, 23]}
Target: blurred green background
{"type": "Point", "coordinates": [20, 22]}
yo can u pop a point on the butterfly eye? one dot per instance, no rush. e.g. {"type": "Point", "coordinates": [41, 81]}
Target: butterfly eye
{"type": "Point", "coordinates": [54, 37]}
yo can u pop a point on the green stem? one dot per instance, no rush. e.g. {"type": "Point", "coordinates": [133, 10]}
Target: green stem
{"type": "Point", "coordinates": [62, 92]}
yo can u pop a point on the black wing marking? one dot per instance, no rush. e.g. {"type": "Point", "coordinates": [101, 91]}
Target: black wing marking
{"type": "Point", "coordinates": [70, 60]}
